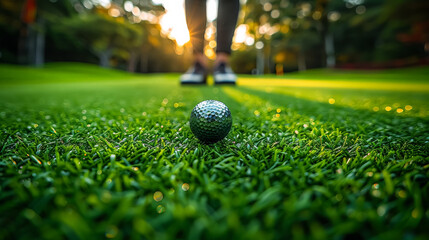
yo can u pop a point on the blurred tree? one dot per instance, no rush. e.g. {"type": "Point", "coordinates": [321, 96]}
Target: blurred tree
{"type": "Point", "coordinates": [294, 26]}
{"type": "Point", "coordinates": [410, 23]}
{"type": "Point", "coordinates": [244, 61]}
{"type": "Point", "coordinates": [355, 27]}
{"type": "Point", "coordinates": [319, 33]}
{"type": "Point", "coordinates": [294, 34]}
{"type": "Point", "coordinates": [302, 43]}
{"type": "Point", "coordinates": [104, 35]}
{"type": "Point", "coordinates": [24, 24]}
{"type": "Point", "coordinates": [134, 12]}
{"type": "Point", "coordinates": [10, 24]}
{"type": "Point", "coordinates": [370, 31]}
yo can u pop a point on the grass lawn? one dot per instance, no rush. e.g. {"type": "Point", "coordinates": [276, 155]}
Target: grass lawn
{"type": "Point", "coordinates": [88, 153]}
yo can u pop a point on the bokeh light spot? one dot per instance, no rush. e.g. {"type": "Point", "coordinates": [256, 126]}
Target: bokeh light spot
{"type": "Point", "coordinates": [158, 196]}
{"type": "Point", "coordinates": [361, 9]}
{"type": "Point", "coordinates": [415, 213]}
{"type": "Point", "coordinates": [257, 113]}
{"type": "Point", "coordinates": [160, 209]}
{"type": "Point", "coordinates": [114, 12]}
{"type": "Point", "coordinates": [111, 232]}
{"type": "Point", "coordinates": [275, 13]}
{"type": "Point", "coordinates": [185, 187]}
{"type": "Point", "coordinates": [402, 194]}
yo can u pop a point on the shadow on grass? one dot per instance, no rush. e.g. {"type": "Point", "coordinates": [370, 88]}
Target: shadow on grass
{"type": "Point", "coordinates": [378, 125]}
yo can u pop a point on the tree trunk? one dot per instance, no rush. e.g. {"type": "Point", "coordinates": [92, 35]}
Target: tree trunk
{"type": "Point", "coordinates": [132, 62]}
{"type": "Point", "coordinates": [23, 45]}
{"type": "Point", "coordinates": [323, 29]}
{"type": "Point", "coordinates": [104, 57]}
{"type": "Point", "coordinates": [260, 61]}
{"type": "Point", "coordinates": [302, 65]}
{"type": "Point", "coordinates": [144, 62]}
{"type": "Point", "coordinates": [267, 52]}
{"type": "Point", "coordinates": [330, 50]}
{"type": "Point", "coordinates": [31, 45]}
{"type": "Point", "coordinates": [39, 59]}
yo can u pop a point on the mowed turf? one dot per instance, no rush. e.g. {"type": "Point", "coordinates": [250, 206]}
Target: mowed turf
{"type": "Point", "coordinates": [89, 153]}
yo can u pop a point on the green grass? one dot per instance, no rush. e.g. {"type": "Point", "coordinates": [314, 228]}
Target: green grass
{"type": "Point", "coordinates": [86, 154]}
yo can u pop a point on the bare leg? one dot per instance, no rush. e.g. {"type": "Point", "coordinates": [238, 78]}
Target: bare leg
{"type": "Point", "coordinates": [196, 20]}
{"type": "Point", "coordinates": [226, 23]}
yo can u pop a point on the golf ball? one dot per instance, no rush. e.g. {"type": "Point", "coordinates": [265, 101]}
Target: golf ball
{"type": "Point", "coordinates": [210, 121]}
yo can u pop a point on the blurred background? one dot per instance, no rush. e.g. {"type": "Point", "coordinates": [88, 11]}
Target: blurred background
{"type": "Point", "coordinates": [272, 36]}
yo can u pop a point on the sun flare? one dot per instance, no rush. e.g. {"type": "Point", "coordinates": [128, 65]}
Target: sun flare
{"type": "Point", "coordinates": [173, 22]}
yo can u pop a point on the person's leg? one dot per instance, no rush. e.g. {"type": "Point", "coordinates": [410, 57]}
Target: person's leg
{"type": "Point", "coordinates": [226, 23]}
{"type": "Point", "coordinates": [196, 20]}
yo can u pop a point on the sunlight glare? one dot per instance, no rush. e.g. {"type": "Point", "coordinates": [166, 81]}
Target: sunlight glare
{"type": "Point", "coordinates": [210, 32]}
{"type": "Point", "coordinates": [212, 10]}
{"type": "Point", "coordinates": [114, 12]}
{"type": "Point", "coordinates": [240, 33]}
{"type": "Point", "coordinates": [103, 3]}
{"type": "Point", "coordinates": [173, 22]}
{"type": "Point", "coordinates": [136, 11]}
{"type": "Point", "coordinates": [128, 6]}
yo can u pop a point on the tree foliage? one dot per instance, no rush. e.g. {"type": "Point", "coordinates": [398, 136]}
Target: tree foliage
{"type": "Point", "coordinates": [351, 31]}
{"type": "Point", "coordinates": [297, 34]}
{"type": "Point", "coordinates": [103, 34]}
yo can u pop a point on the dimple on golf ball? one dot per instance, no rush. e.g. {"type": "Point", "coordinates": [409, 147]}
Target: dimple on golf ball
{"type": "Point", "coordinates": [210, 121]}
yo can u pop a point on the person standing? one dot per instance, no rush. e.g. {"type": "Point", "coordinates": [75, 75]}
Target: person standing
{"type": "Point", "coordinates": [196, 19]}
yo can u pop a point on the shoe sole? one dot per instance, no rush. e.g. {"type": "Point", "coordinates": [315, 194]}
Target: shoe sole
{"type": "Point", "coordinates": [193, 83]}
{"type": "Point", "coordinates": [184, 82]}
{"type": "Point", "coordinates": [225, 83]}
